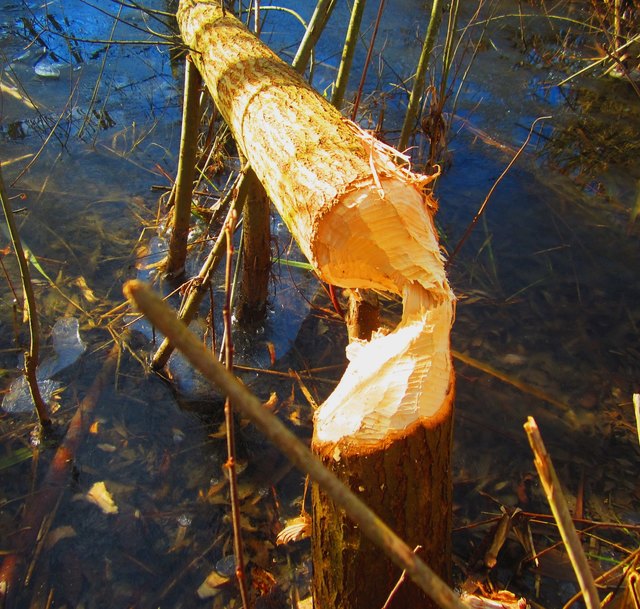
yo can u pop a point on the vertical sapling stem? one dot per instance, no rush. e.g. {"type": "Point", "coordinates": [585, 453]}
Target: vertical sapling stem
{"type": "Point", "coordinates": [319, 19]}
{"type": "Point", "coordinates": [186, 168]}
{"type": "Point", "coordinates": [411, 115]}
{"type": "Point", "coordinates": [348, 51]}
{"type": "Point", "coordinates": [228, 416]}
{"type": "Point", "coordinates": [256, 254]}
{"type": "Point", "coordinates": [30, 356]}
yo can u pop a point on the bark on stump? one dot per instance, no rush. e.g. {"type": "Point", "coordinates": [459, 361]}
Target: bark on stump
{"type": "Point", "coordinates": [363, 220]}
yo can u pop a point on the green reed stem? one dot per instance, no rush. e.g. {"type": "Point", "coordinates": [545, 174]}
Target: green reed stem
{"type": "Point", "coordinates": [449, 50]}
{"type": "Point", "coordinates": [367, 61]}
{"type": "Point", "coordinates": [186, 172]}
{"type": "Point", "coordinates": [319, 19]}
{"type": "Point", "coordinates": [411, 116]}
{"type": "Point", "coordinates": [348, 51]}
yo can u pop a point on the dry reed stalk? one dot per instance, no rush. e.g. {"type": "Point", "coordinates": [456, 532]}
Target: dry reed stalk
{"type": "Point", "coordinates": [560, 510]}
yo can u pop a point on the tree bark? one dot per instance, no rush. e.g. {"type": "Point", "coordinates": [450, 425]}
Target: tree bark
{"type": "Point", "coordinates": [406, 483]}
{"type": "Point", "coordinates": [363, 220]}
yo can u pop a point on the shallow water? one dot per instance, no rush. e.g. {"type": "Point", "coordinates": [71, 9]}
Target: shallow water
{"type": "Point", "coordinates": [547, 286]}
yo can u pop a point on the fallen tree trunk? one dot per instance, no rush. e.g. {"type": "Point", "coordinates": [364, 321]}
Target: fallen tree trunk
{"type": "Point", "coordinates": [362, 219]}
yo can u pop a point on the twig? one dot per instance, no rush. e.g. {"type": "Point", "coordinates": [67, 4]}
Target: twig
{"type": "Point", "coordinates": [399, 583]}
{"type": "Point", "coordinates": [560, 510]}
{"type": "Point", "coordinates": [192, 303]}
{"type": "Point", "coordinates": [228, 417]}
{"type": "Point", "coordinates": [97, 86]}
{"type": "Point", "coordinates": [52, 131]}
{"type": "Point", "coordinates": [367, 61]}
{"type": "Point", "coordinates": [161, 316]}
{"type": "Point", "coordinates": [636, 410]}
{"type": "Point", "coordinates": [491, 191]}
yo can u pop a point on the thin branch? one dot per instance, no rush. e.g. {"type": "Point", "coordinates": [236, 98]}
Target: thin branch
{"type": "Point", "coordinates": [401, 580]}
{"type": "Point", "coordinates": [228, 417]}
{"type": "Point", "coordinates": [199, 286]}
{"type": "Point", "coordinates": [367, 61]}
{"type": "Point", "coordinates": [491, 191]}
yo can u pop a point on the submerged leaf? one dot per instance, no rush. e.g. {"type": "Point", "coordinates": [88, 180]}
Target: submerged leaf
{"type": "Point", "coordinates": [58, 534]}
{"type": "Point", "coordinates": [87, 292]}
{"type": "Point", "coordinates": [99, 495]}
{"type": "Point", "coordinates": [212, 585]}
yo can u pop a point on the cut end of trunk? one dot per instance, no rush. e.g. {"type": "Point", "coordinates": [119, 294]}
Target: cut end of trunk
{"type": "Point", "coordinates": [382, 236]}
{"type": "Point", "coordinates": [395, 381]}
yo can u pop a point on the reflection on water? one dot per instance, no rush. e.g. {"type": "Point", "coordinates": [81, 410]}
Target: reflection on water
{"type": "Point", "coordinates": [547, 284]}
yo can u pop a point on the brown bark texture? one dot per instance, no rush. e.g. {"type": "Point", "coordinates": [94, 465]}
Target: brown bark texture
{"type": "Point", "coordinates": [364, 221]}
{"type": "Point", "coordinates": [407, 483]}
{"type": "Point", "coordinates": [256, 253]}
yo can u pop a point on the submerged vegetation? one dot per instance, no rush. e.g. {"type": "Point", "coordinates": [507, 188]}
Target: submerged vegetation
{"type": "Point", "coordinates": [138, 513]}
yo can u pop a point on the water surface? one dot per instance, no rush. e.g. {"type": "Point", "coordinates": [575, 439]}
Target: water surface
{"type": "Point", "coordinates": [547, 290]}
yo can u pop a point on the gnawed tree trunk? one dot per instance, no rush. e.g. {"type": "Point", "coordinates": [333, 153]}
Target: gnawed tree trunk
{"type": "Point", "coordinates": [363, 221]}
